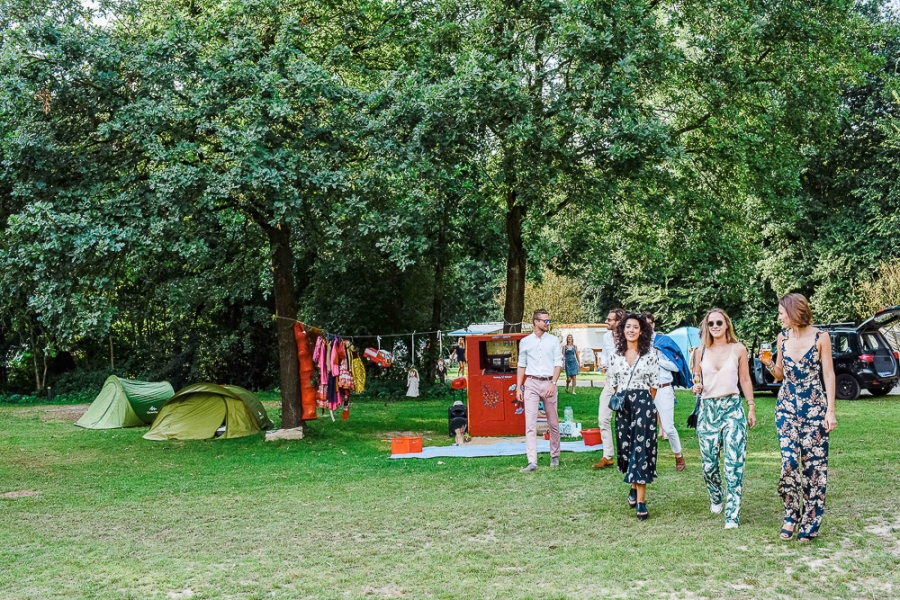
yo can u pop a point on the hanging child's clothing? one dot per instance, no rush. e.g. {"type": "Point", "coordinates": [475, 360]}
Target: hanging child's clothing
{"type": "Point", "coordinates": [359, 373]}
{"type": "Point", "coordinates": [333, 397]}
{"type": "Point", "coordinates": [412, 380]}
{"type": "Point", "coordinates": [321, 363]}
{"type": "Point", "coordinates": [345, 380]}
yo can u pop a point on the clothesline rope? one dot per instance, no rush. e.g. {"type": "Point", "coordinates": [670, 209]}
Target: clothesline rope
{"type": "Point", "coordinates": [391, 335]}
{"type": "Point", "coordinates": [383, 335]}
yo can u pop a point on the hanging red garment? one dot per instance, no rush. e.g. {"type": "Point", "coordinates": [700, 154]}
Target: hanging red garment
{"type": "Point", "coordinates": [307, 389]}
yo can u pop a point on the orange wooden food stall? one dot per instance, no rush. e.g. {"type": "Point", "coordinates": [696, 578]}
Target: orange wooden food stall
{"type": "Point", "coordinates": [492, 362]}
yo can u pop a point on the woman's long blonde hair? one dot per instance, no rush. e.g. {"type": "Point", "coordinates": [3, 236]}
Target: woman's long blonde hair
{"type": "Point", "coordinates": [706, 336]}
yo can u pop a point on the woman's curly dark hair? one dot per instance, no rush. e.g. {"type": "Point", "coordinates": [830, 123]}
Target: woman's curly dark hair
{"type": "Point", "coordinates": [644, 340]}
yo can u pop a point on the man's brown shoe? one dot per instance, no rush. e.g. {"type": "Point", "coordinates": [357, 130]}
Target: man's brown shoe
{"type": "Point", "coordinates": [604, 462]}
{"type": "Point", "coordinates": [679, 463]}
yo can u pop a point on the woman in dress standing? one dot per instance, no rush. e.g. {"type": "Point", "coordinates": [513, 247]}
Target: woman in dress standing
{"type": "Point", "coordinates": [804, 416]}
{"type": "Point", "coordinates": [570, 353]}
{"type": "Point", "coordinates": [723, 365]}
{"type": "Point", "coordinates": [460, 351]}
{"type": "Point", "coordinates": [634, 370]}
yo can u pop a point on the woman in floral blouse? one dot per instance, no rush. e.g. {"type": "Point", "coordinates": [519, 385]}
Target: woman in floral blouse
{"type": "Point", "coordinates": [634, 370]}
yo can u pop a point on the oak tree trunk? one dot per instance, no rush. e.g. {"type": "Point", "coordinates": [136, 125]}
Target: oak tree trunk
{"type": "Point", "coordinates": [514, 307]}
{"type": "Point", "coordinates": [286, 311]}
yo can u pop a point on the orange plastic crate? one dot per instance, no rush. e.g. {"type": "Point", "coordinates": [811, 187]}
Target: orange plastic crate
{"type": "Point", "coordinates": [406, 445]}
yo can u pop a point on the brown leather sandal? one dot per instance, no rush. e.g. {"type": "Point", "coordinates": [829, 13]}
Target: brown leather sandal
{"type": "Point", "coordinates": [679, 463]}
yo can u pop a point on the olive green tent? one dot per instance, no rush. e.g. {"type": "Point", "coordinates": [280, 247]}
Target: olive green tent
{"type": "Point", "coordinates": [126, 403]}
{"type": "Point", "coordinates": [197, 411]}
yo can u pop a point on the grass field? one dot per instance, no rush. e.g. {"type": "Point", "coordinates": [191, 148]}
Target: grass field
{"type": "Point", "coordinates": [330, 516]}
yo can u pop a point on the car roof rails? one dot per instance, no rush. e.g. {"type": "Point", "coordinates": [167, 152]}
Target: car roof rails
{"type": "Point", "coordinates": [833, 325]}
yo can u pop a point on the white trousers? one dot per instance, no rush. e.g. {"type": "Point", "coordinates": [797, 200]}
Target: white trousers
{"type": "Point", "coordinates": [604, 417]}
{"type": "Point", "coordinates": [665, 406]}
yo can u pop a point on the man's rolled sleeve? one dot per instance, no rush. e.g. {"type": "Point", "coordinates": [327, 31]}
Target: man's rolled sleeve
{"type": "Point", "coordinates": [523, 355]}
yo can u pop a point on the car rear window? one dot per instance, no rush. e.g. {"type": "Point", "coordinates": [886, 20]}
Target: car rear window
{"type": "Point", "coordinates": [871, 342]}
{"type": "Point", "coordinates": [840, 343]}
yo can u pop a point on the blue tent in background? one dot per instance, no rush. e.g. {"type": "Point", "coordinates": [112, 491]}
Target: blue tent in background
{"type": "Point", "coordinates": [686, 338]}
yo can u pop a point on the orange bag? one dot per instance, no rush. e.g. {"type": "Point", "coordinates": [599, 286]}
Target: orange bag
{"type": "Point", "coordinates": [307, 389]}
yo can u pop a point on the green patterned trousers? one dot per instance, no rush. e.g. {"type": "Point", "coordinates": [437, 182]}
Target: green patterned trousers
{"type": "Point", "coordinates": [722, 426]}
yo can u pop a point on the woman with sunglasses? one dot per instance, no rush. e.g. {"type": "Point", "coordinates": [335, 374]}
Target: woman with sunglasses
{"type": "Point", "coordinates": [634, 371]}
{"type": "Point", "coordinates": [804, 416]}
{"type": "Point", "coordinates": [721, 364]}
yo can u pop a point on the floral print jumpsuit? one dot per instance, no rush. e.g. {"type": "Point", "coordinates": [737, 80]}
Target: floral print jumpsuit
{"type": "Point", "coordinates": [800, 420]}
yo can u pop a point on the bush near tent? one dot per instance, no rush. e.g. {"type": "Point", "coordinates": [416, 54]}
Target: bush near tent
{"type": "Point", "coordinates": [126, 403]}
{"type": "Point", "coordinates": [197, 411]}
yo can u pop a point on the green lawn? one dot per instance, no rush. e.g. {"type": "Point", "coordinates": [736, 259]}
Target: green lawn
{"type": "Point", "coordinates": [331, 517]}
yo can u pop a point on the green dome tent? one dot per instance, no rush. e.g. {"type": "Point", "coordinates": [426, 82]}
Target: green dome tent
{"type": "Point", "coordinates": [126, 403]}
{"type": "Point", "coordinates": [197, 411]}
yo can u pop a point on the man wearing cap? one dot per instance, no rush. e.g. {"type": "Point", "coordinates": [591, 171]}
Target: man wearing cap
{"type": "Point", "coordinates": [540, 361]}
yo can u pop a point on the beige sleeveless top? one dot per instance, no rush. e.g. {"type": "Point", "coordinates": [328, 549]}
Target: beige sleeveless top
{"type": "Point", "coordinates": [721, 383]}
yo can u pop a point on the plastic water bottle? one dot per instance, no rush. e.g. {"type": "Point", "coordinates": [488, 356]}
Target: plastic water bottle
{"type": "Point", "coordinates": [568, 415]}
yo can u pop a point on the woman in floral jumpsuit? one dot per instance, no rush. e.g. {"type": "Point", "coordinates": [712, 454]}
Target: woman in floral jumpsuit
{"type": "Point", "coordinates": [804, 416]}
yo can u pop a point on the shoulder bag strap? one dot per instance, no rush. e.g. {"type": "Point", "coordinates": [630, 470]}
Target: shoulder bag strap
{"type": "Point", "coordinates": [633, 367]}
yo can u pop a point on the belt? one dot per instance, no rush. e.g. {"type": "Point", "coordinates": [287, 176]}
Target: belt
{"type": "Point", "coordinates": [662, 385]}
{"type": "Point", "coordinates": [539, 378]}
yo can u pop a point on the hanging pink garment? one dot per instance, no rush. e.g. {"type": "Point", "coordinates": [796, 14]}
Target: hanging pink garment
{"type": "Point", "coordinates": [335, 365]}
{"type": "Point", "coordinates": [320, 358]}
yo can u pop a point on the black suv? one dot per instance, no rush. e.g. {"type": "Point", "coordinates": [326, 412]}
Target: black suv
{"type": "Point", "coordinates": [863, 359]}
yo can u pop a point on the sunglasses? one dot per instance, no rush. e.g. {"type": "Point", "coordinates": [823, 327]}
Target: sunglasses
{"type": "Point", "coordinates": [547, 321]}
{"type": "Point", "coordinates": [715, 323]}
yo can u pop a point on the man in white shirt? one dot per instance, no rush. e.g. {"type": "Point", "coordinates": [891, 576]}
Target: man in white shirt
{"type": "Point", "coordinates": [605, 413]}
{"type": "Point", "coordinates": [540, 361]}
{"type": "Point", "coordinates": [665, 397]}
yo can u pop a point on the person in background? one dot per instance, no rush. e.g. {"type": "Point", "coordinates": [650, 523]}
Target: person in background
{"type": "Point", "coordinates": [804, 416]}
{"type": "Point", "coordinates": [572, 358]}
{"type": "Point", "coordinates": [441, 370]}
{"type": "Point", "coordinates": [665, 394]}
{"type": "Point", "coordinates": [540, 361]}
{"type": "Point", "coordinates": [634, 371]}
{"type": "Point", "coordinates": [460, 350]}
{"type": "Point", "coordinates": [723, 364]}
{"type": "Point", "coordinates": [604, 414]}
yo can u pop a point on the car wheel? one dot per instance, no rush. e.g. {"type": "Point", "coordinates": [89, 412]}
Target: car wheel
{"type": "Point", "coordinates": [880, 391]}
{"type": "Point", "coordinates": [847, 387]}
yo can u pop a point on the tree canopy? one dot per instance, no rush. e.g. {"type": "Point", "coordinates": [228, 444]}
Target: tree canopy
{"type": "Point", "coordinates": [176, 173]}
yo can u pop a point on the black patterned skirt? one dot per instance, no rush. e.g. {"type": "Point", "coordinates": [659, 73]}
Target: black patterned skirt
{"type": "Point", "coordinates": [636, 437]}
